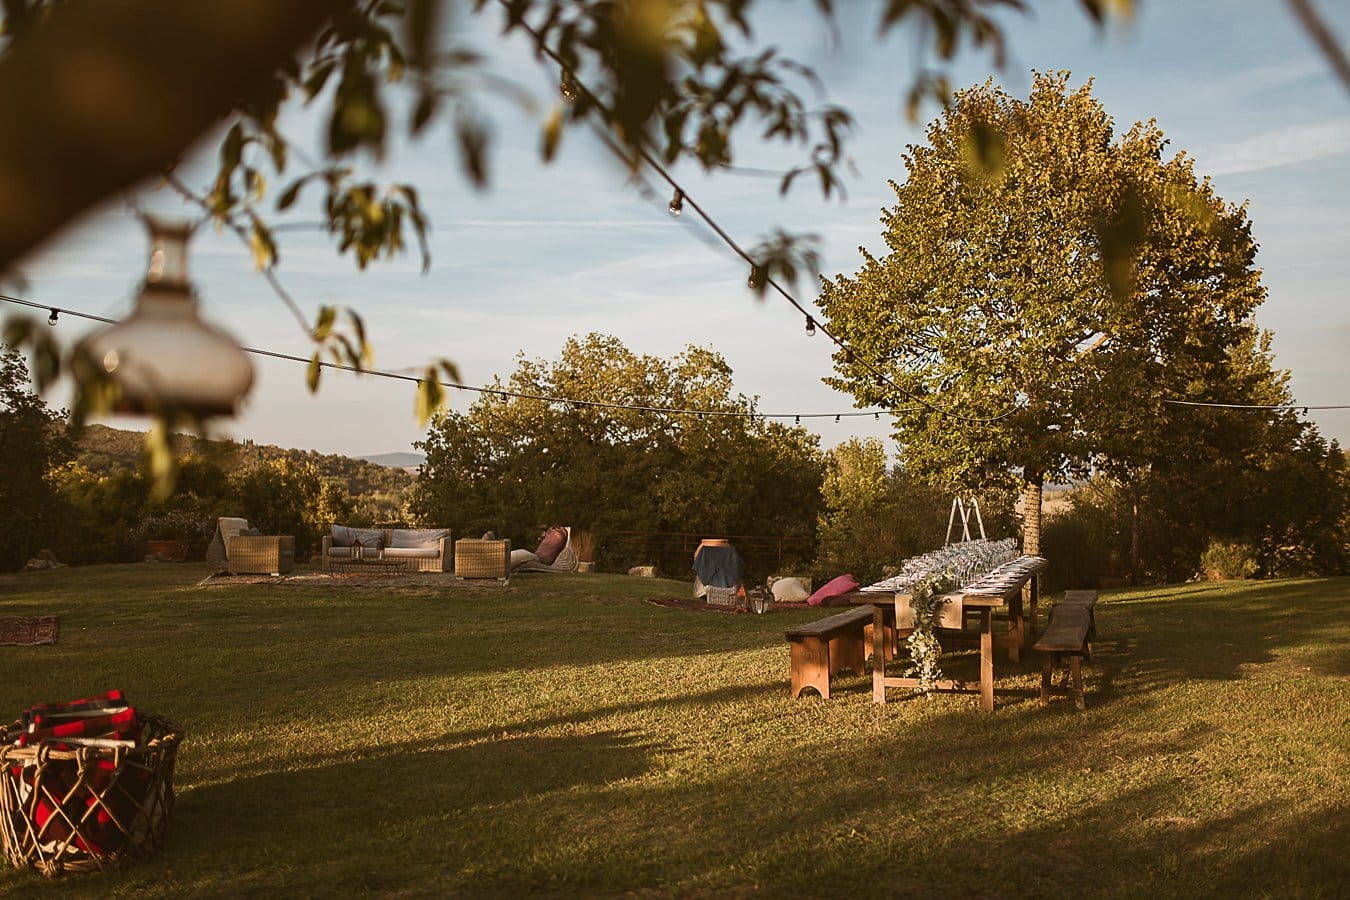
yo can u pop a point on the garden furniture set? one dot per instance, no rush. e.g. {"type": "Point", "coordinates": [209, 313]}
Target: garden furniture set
{"type": "Point", "coordinates": [880, 617]}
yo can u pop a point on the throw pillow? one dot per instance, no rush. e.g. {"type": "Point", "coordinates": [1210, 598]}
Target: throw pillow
{"type": "Point", "coordinates": [343, 536]}
{"type": "Point", "coordinates": [230, 527]}
{"type": "Point", "coordinates": [417, 538]}
{"type": "Point", "coordinates": [555, 539]}
{"type": "Point", "coordinates": [789, 590]}
{"type": "Point", "coordinates": [250, 532]}
{"type": "Point", "coordinates": [835, 587]}
{"type": "Point", "coordinates": [369, 538]}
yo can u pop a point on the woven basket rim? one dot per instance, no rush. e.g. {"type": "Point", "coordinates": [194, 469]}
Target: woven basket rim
{"type": "Point", "coordinates": [165, 733]}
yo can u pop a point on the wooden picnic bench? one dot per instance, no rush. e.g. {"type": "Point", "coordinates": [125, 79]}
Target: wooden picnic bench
{"type": "Point", "coordinates": [1069, 635]}
{"type": "Point", "coordinates": [827, 646]}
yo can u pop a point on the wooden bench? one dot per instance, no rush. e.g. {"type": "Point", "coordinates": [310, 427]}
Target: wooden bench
{"type": "Point", "coordinates": [827, 646]}
{"type": "Point", "coordinates": [1088, 600]}
{"type": "Point", "coordinates": [1065, 636]}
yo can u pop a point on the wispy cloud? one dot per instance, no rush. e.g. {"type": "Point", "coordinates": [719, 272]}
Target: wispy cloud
{"type": "Point", "coordinates": [1279, 148]}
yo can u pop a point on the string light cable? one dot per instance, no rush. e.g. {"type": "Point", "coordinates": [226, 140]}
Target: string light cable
{"type": "Point", "coordinates": [479, 389]}
{"type": "Point", "coordinates": [55, 311]}
{"type": "Point", "coordinates": [758, 275]}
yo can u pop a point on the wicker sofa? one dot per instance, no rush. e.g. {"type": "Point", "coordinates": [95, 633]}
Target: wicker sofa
{"type": "Point", "coordinates": [418, 549]}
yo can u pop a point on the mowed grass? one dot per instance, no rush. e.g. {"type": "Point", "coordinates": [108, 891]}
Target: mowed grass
{"type": "Point", "coordinates": [560, 736]}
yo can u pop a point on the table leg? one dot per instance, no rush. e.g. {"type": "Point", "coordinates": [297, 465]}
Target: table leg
{"type": "Point", "coordinates": [1033, 599]}
{"type": "Point", "coordinates": [987, 659]}
{"type": "Point", "coordinates": [878, 653]}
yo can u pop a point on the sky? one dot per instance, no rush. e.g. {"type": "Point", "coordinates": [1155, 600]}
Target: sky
{"type": "Point", "coordinates": [572, 247]}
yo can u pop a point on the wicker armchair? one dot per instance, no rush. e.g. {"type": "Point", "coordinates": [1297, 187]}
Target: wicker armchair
{"type": "Point", "coordinates": [482, 558]}
{"type": "Point", "coordinates": [260, 554]}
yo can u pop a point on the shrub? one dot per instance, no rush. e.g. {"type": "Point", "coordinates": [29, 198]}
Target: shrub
{"type": "Point", "coordinates": [1227, 561]}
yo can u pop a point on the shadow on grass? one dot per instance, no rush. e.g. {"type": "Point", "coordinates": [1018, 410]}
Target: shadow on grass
{"type": "Point", "coordinates": [952, 808]}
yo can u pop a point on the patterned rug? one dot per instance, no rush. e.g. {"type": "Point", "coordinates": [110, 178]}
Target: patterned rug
{"type": "Point", "coordinates": [28, 630]}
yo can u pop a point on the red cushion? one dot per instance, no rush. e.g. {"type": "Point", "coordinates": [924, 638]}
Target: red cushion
{"type": "Point", "coordinates": [832, 588]}
{"type": "Point", "coordinates": [555, 539]}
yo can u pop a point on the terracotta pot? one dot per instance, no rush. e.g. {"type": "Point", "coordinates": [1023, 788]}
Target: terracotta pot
{"type": "Point", "coordinates": [585, 567]}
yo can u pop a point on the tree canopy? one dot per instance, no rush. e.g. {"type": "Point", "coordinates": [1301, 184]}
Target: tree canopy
{"type": "Point", "coordinates": [514, 463]}
{"type": "Point", "coordinates": [1022, 343]}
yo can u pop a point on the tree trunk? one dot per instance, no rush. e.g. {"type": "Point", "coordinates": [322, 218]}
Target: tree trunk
{"type": "Point", "coordinates": [1031, 515]}
{"type": "Point", "coordinates": [1134, 533]}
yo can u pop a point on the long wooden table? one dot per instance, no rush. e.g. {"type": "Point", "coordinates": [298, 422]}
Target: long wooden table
{"type": "Point", "coordinates": [1002, 587]}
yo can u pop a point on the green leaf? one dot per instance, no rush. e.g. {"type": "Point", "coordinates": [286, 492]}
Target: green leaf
{"type": "Point", "coordinates": [323, 323]}
{"type": "Point", "coordinates": [553, 128]}
{"type": "Point", "coordinates": [318, 77]}
{"type": "Point", "coordinates": [314, 373]}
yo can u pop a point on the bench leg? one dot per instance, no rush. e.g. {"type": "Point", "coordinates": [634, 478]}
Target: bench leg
{"type": "Point", "coordinates": [848, 651]}
{"type": "Point", "coordinates": [1076, 667]}
{"type": "Point", "coordinates": [810, 666]}
{"type": "Point", "coordinates": [1047, 677]}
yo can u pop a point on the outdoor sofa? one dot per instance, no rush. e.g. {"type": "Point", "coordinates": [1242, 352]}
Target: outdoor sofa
{"type": "Point", "coordinates": [418, 549]}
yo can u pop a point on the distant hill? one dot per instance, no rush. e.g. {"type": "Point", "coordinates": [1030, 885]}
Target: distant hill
{"type": "Point", "coordinates": [396, 460]}
{"type": "Point", "coordinates": [380, 487]}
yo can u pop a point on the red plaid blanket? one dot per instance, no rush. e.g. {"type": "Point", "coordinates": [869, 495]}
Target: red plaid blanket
{"type": "Point", "coordinates": [70, 802]}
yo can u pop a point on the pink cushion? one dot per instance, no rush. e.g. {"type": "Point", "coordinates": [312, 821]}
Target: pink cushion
{"type": "Point", "coordinates": [835, 587]}
{"type": "Point", "coordinates": [555, 539]}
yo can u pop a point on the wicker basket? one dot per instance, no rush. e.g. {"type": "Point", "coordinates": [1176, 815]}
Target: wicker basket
{"type": "Point", "coordinates": [87, 808]}
{"type": "Point", "coordinates": [476, 558]}
{"type": "Point", "coordinates": [720, 596]}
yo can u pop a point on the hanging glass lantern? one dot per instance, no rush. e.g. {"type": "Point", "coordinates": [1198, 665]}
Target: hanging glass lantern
{"type": "Point", "coordinates": [163, 359]}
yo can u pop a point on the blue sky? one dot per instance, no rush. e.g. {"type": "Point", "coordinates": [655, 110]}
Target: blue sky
{"type": "Point", "coordinates": [568, 248]}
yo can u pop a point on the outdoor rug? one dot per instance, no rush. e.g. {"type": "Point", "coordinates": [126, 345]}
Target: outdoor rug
{"type": "Point", "coordinates": [28, 630]}
{"type": "Point", "coordinates": [700, 605]}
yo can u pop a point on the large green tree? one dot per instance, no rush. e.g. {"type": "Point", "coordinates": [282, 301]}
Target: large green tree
{"type": "Point", "coordinates": [513, 462]}
{"type": "Point", "coordinates": [32, 440]}
{"type": "Point", "coordinates": [1048, 285]}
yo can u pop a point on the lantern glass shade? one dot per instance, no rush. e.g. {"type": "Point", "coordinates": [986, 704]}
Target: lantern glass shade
{"type": "Point", "coordinates": [163, 358]}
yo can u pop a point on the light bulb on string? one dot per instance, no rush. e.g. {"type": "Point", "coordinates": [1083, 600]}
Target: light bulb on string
{"type": "Point", "coordinates": [836, 420]}
{"type": "Point", "coordinates": [51, 320]}
{"type": "Point", "coordinates": [758, 277]}
{"type": "Point", "coordinates": [567, 87]}
{"type": "Point", "coordinates": [796, 420]}
{"type": "Point", "coordinates": [810, 327]}
{"type": "Point", "coordinates": [677, 203]}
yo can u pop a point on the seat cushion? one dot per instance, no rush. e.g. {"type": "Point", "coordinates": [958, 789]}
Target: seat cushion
{"type": "Point", "coordinates": [411, 552]}
{"type": "Point", "coordinates": [522, 556]}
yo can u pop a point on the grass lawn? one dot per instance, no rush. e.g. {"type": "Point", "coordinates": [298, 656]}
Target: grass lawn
{"type": "Point", "coordinates": [561, 736]}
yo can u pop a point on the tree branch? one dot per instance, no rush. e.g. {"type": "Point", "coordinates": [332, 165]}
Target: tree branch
{"type": "Point", "coordinates": [104, 95]}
